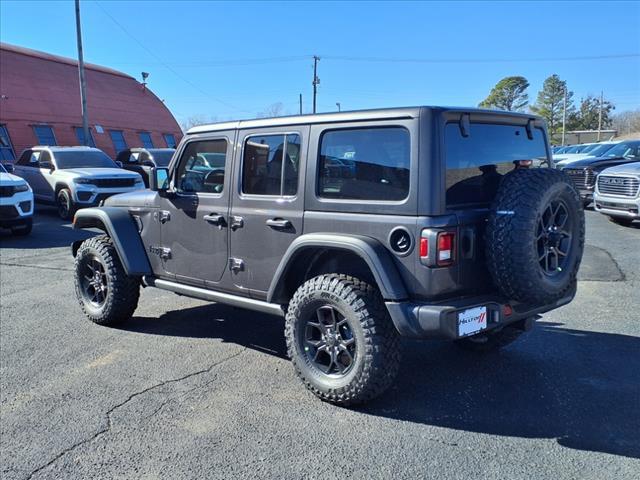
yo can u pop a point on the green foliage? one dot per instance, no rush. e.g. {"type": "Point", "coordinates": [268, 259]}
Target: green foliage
{"type": "Point", "coordinates": [587, 116]}
{"type": "Point", "coordinates": [549, 103]}
{"type": "Point", "coordinates": [509, 94]}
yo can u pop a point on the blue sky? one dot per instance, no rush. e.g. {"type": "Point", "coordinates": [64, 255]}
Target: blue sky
{"type": "Point", "coordinates": [224, 60]}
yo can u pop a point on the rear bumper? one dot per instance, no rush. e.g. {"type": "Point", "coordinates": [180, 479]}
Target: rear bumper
{"type": "Point", "coordinates": [440, 320]}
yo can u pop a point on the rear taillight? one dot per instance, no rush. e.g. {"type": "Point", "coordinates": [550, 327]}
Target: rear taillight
{"type": "Point", "coordinates": [424, 247]}
{"type": "Point", "coordinates": [445, 251]}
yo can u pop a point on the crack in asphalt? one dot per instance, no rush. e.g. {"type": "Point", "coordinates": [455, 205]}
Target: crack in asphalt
{"type": "Point", "coordinates": [36, 266]}
{"type": "Point", "coordinates": [110, 412]}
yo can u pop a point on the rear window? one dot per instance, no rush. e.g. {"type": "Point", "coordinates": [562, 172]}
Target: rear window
{"type": "Point", "coordinates": [365, 164]}
{"type": "Point", "coordinates": [476, 163]}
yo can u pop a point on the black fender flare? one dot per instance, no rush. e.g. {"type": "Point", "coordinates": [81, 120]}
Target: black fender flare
{"type": "Point", "coordinates": [375, 255]}
{"type": "Point", "coordinates": [118, 224]}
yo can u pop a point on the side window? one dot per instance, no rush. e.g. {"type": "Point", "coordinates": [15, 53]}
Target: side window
{"type": "Point", "coordinates": [44, 134]}
{"type": "Point", "coordinates": [365, 164]}
{"type": "Point", "coordinates": [133, 157]}
{"type": "Point", "coordinates": [25, 158]}
{"type": "Point", "coordinates": [44, 157]}
{"type": "Point", "coordinates": [270, 165]}
{"type": "Point", "coordinates": [202, 167]}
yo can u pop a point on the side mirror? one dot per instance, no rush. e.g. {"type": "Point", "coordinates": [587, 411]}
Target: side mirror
{"type": "Point", "coordinates": [47, 166]}
{"type": "Point", "coordinates": [159, 179]}
{"type": "Point", "coordinates": [9, 167]}
{"type": "Point", "coordinates": [119, 163]}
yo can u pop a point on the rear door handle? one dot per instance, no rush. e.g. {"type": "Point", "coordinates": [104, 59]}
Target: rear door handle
{"type": "Point", "coordinates": [214, 219]}
{"type": "Point", "coordinates": [278, 223]}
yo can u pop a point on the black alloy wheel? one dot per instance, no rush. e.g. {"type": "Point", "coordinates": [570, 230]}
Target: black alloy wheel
{"type": "Point", "coordinates": [328, 342]}
{"type": "Point", "coordinates": [95, 287]}
{"type": "Point", "coordinates": [553, 240]}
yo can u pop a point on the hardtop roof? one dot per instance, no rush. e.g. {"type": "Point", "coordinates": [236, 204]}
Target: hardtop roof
{"type": "Point", "coordinates": [347, 116]}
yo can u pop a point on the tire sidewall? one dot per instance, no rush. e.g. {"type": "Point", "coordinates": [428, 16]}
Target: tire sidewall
{"type": "Point", "coordinates": [306, 309]}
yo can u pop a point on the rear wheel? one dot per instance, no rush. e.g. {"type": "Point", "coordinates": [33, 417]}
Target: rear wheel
{"type": "Point", "coordinates": [341, 340]}
{"type": "Point", "coordinates": [64, 202]}
{"type": "Point", "coordinates": [107, 295]}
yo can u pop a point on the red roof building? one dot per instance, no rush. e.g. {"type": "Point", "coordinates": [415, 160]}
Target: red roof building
{"type": "Point", "coordinates": [40, 105]}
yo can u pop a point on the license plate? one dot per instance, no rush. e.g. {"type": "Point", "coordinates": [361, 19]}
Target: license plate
{"type": "Point", "coordinates": [472, 321]}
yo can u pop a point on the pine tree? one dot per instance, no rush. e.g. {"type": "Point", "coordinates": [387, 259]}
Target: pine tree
{"type": "Point", "coordinates": [509, 94]}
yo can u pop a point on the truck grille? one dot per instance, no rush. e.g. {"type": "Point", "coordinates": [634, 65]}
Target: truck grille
{"type": "Point", "coordinates": [8, 212]}
{"type": "Point", "coordinates": [621, 186]}
{"type": "Point", "coordinates": [113, 182]}
{"type": "Point", "coordinates": [581, 177]}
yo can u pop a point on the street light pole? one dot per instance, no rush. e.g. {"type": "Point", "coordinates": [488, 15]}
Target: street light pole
{"type": "Point", "coordinates": [83, 85]}
{"type": "Point", "coordinates": [564, 114]}
{"type": "Point", "coordinates": [338, 105]}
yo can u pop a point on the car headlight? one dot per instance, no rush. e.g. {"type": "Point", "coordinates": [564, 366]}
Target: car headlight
{"type": "Point", "coordinates": [82, 181]}
{"type": "Point", "coordinates": [21, 188]}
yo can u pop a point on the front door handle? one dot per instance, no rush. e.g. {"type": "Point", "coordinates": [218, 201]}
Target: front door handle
{"type": "Point", "coordinates": [214, 219]}
{"type": "Point", "coordinates": [278, 223]}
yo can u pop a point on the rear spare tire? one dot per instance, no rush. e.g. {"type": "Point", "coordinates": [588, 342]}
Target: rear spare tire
{"type": "Point", "coordinates": [535, 236]}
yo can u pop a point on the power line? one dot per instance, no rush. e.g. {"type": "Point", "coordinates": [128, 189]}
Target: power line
{"type": "Point", "coordinates": [475, 60]}
{"type": "Point", "coordinates": [164, 64]}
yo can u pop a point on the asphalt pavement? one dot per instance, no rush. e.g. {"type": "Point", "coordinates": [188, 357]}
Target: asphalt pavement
{"type": "Point", "coordinates": [188, 389]}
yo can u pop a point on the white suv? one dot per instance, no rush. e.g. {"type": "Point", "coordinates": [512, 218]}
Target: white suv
{"type": "Point", "coordinates": [617, 193]}
{"type": "Point", "coordinates": [16, 203]}
{"type": "Point", "coordinates": [74, 177]}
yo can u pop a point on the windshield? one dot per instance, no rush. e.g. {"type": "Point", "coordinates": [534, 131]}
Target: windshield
{"type": "Point", "coordinates": [2, 169]}
{"type": "Point", "coordinates": [587, 148]}
{"type": "Point", "coordinates": [83, 159]}
{"type": "Point", "coordinates": [600, 149]}
{"type": "Point", "coordinates": [573, 149]}
{"type": "Point", "coordinates": [162, 157]}
{"type": "Point", "coordinates": [622, 150]}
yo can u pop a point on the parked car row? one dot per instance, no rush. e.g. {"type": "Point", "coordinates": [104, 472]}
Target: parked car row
{"type": "Point", "coordinates": [610, 180]}
{"type": "Point", "coordinates": [75, 177]}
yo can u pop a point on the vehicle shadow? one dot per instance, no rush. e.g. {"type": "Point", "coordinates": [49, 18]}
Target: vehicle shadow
{"type": "Point", "coordinates": [49, 231]}
{"type": "Point", "coordinates": [579, 387]}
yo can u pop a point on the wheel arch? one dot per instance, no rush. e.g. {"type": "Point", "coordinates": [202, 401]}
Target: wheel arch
{"type": "Point", "coordinates": [312, 254]}
{"type": "Point", "coordinates": [118, 224]}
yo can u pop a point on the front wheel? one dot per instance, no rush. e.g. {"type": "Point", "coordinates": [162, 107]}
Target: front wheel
{"type": "Point", "coordinates": [107, 295]}
{"type": "Point", "coordinates": [341, 340]}
{"type": "Point", "coordinates": [66, 207]}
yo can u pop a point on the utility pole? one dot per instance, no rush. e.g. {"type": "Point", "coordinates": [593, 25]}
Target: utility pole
{"type": "Point", "coordinates": [316, 80]}
{"type": "Point", "coordinates": [564, 114]}
{"type": "Point", "coordinates": [300, 104]}
{"type": "Point", "coordinates": [83, 85]}
{"type": "Point", "coordinates": [600, 114]}
{"type": "Point", "coordinates": [338, 105]}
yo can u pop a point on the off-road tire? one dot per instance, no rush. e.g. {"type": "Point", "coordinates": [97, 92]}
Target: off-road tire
{"type": "Point", "coordinates": [23, 230]}
{"type": "Point", "coordinates": [490, 341]}
{"type": "Point", "coordinates": [123, 291]}
{"type": "Point", "coordinates": [512, 253]}
{"type": "Point", "coordinates": [65, 205]}
{"type": "Point", "coordinates": [377, 357]}
{"type": "Point", "coordinates": [625, 222]}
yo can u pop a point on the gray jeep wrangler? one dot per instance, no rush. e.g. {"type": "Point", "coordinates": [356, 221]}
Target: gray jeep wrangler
{"type": "Point", "coordinates": [358, 227]}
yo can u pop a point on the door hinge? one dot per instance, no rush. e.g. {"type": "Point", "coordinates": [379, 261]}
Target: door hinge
{"type": "Point", "coordinates": [163, 216]}
{"type": "Point", "coordinates": [236, 264]}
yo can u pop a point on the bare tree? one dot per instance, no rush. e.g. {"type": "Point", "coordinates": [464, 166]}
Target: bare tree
{"type": "Point", "coordinates": [627, 122]}
{"type": "Point", "coordinates": [195, 120]}
{"type": "Point", "coordinates": [273, 110]}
